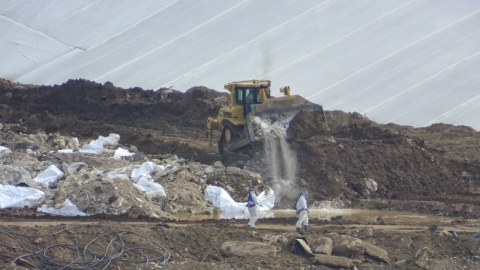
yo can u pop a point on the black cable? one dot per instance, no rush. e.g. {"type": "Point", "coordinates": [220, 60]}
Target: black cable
{"type": "Point", "coordinates": [120, 246]}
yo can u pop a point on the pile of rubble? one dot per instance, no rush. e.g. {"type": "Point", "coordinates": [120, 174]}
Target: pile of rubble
{"type": "Point", "coordinates": [101, 177]}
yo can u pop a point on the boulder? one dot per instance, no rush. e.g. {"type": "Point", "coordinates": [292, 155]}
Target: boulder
{"type": "Point", "coordinates": [323, 245]}
{"type": "Point", "coordinates": [376, 252]}
{"type": "Point", "coordinates": [347, 246]}
{"type": "Point", "coordinates": [333, 261]}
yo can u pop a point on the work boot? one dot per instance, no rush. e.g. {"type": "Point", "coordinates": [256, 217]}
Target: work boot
{"type": "Point", "coordinates": [298, 229]}
{"type": "Point", "coordinates": [306, 228]}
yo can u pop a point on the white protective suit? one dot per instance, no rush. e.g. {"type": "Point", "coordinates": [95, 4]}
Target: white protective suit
{"type": "Point", "coordinates": [302, 211]}
{"type": "Point", "coordinates": [252, 205]}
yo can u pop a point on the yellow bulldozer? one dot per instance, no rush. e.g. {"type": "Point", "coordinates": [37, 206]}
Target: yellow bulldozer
{"type": "Point", "coordinates": [250, 99]}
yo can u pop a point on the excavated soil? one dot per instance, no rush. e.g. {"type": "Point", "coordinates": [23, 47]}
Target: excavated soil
{"type": "Point", "coordinates": [433, 170]}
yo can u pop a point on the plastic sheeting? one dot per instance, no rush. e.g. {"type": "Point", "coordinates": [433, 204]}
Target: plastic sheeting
{"type": "Point", "coordinates": [50, 175]}
{"type": "Point", "coordinates": [96, 147]}
{"type": "Point", "coordinates": [65, 151]}
{"type": "Point", "coordinates": [19, 197]}
{"type": "Point", "coordinates": [4, 149]}
{"type": "Point", "coordinates": [121, 153]}
{"type": "Point", "coordinates": [67, 209]}
{"type": "Point", "coordinates": [151, 188]}
{"type": "Point", "coordinates": [222, 200]}
{"type": "Point", "coordinates": [118, 174]}
{"type": "Point", "coordinates": [143, 181]}
{"type": "Point", "coordinates": [144, 171]}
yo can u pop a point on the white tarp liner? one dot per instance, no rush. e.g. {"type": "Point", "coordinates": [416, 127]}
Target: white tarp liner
{"type": "Point", "coordinates": [222, 200]}
{"type": "Point", "coordinates": [4, 149]}
{"type": "Point", "coordinates": [67, 209]}
{"type": "Point", "coordinates": [19, 197]}
{"type": "Point", "coordinates": [143, 181]}
{"type": "Point", "coordinates": [121, 153]}
{"type": "Point", "coordinates": [145, 170]}
{"type": "Point", "coordinates": [111, 140]}
{"type": "Point", "coordinates": [96, 147]}
{"type": "Point", "coordinates": [163, 167]}
{"type": "Point", "coordinates": [118, 174]}
{"type": "Point", "coordinates": [151, 188]}
{"type": "Point", "coordinates": [50, 175]}
{"type": "Point", "coordinates": [75, 165]}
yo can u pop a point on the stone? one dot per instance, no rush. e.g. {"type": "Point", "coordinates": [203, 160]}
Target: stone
{"type": "Point", "coordinates": [232, 171]}
{"type": "Point", "coordinates": [333, 261]}
{"type": "Point", "coordinates": [406, 241]}
{"type": "Point", "coordinates": [118, 202]}
{"type": "Point", "coordinates": [208, 169]}
{"type": "Point", "coordinates": [371, 184]}
{"type": "Point", "coordinates": [366, 232]}
{"type": "Point", "coordinates": [376, 252]}
{"type": "Point", "coordinates": [218, 165]}
{"type": "Point", "coordinates": [347, 246]}
{"type": "Point", "coordinates": [135, 212]}
{"type": "Point", "coordinates": [423, 256]}
{"type": "Point", "coordinates": [168, 208]}
{"type": "Point", "coordinates": [324, 245]}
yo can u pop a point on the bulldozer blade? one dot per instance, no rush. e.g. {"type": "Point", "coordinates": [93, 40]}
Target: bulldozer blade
{"type": "Point", "coordinates": [281, 110]}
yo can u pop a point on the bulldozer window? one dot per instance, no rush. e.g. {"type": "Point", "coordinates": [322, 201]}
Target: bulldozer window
{"type": "Point", "coordinates": [250, 96]}
{"type": "Point", "coordinates": [247, 95]}
{"type": "Point", "coordinates": [239, 96]}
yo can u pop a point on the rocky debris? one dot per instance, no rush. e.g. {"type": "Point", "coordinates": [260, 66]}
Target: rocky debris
{"type": "Point", "coordinates": [103, 183]}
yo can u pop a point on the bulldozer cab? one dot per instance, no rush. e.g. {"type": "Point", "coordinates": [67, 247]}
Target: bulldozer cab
{"type": "Point", "coordinates": [247, 97]}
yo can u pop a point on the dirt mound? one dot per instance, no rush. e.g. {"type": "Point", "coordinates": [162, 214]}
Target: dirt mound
{"type": "Point", "coordinates": [158, 122]}
{"type": "Point", "coordinates": [354, 149]}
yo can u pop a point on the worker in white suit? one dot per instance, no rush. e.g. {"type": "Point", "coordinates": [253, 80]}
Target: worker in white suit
{"type": "Point", "coordinates": [302, 211]}
{"type": "Point", "coordinates": [252, 205]}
